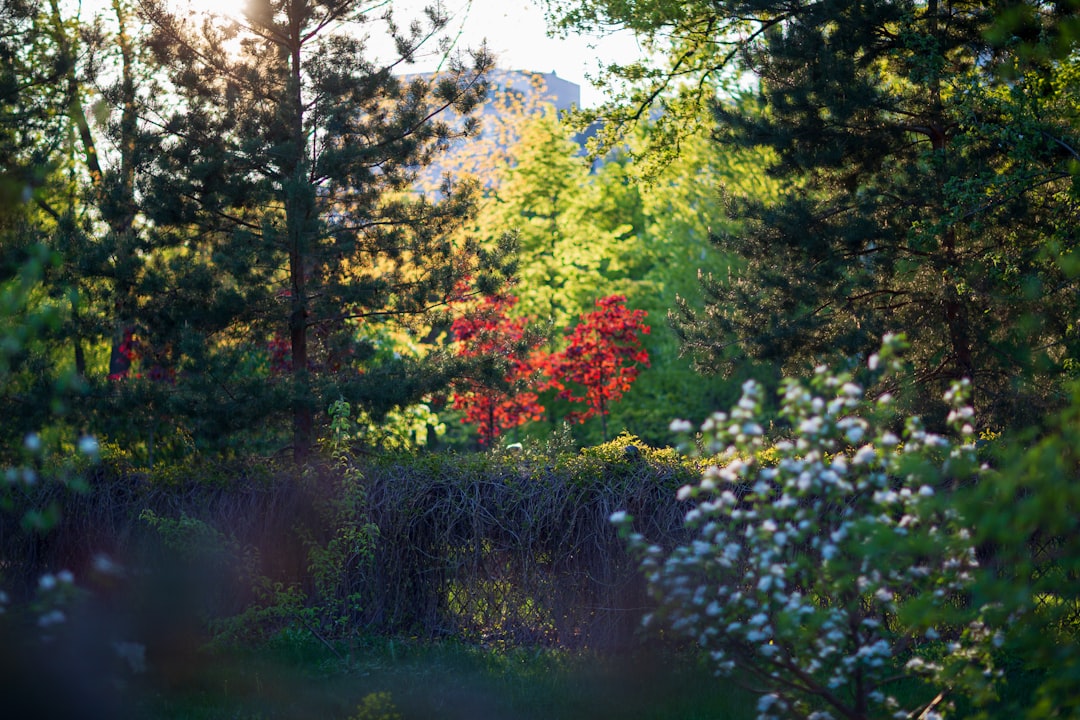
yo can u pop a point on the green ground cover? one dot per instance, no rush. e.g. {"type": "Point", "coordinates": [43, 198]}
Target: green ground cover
{"type": "Point", "coordinates": [297, 678]}
{"type": "Point", "coordinates": [386, 679]}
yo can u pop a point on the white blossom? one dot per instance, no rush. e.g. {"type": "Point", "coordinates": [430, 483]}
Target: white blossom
{"type": "Point", "coordinates": [788, 532]}
{"type": "Point", "coordinates": [88, 445]}
{"type": "Point", "coordinates": [679, 427]}
{"type": "Point", "coordinates": [755, 636]}
{"type": "Point", "coordinates": [752, 429]}
{"type": "Point", "coordinates": [105, 565]}
{"type": "Point", "coordinates": [865, 455]}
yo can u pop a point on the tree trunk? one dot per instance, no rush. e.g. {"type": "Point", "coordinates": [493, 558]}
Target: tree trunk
{"type": "Point", "coordinates": [297, 213]}
{"type": "Point", "coordinates": [117, 209]}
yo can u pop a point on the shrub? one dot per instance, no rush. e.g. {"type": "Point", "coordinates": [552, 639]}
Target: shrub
{"type": "Point", "coordinates": [823, 579]}
{"type": "Point", "coordinates": [1025, 517]}
{"type": "Point", "coordinates": [509, 546]}
{"type": "Point", "coordinates": [514, 547]}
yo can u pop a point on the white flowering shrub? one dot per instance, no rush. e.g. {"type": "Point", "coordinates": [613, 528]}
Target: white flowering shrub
{"type": "Point", "coordinates": [826, 572]}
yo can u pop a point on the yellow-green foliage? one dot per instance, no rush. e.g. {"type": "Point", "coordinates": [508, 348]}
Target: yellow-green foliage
{"type": "Point", "coordinates": [376, 706]}
{"type": "Point", "coordinates": [627, 451]}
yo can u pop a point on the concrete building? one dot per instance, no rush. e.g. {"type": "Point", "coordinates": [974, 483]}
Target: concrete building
{"type": "Point", "coordinates": [561, 93]}
{"type": "Point", "coordinates": [533, 90]}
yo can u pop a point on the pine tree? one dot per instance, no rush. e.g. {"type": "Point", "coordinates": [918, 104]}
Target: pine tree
{"type": "Point", "coordinates": [105, 79]}
{"type": "Point", "coordinates": [284, 179]}
{"type": "Point", "coordinates": [108, 273]}
{"type": "Point", "coordinates": [32, 102]}
{"type": "Point", "coordinates": [929, 156]}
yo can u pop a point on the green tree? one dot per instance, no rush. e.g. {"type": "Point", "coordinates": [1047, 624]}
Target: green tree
{"type": "Point", "coordinates": [108, 75]}
{"type": "Point", "coordinates": [563, 248]}
{"type": "Point", "coordinates": [928, 173]}
{"type": "Point", "coordinates": [32, 104]}
{"type": "Point", "coordinates": [99, 78]}
{"type": "Point", "coordinates": [35, 452]}
{"type": "Point", "coordinates": [1024, 519]}
{"type": "Point", "coordinates": [75, 85]}
{"type": "Point", "coordinates": [686, 49]}
{"type": "Point", "coordinates": [683, 204]}
{"type": "Point", "coordinates": [591, 229]}
{"type": "Point", "coordinates": [282, 182]}
{"type": "Point", "coordinates": [31, 101]}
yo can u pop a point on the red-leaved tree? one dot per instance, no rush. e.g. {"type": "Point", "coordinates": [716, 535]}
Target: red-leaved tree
{"type": "Point", "coordinates": [132, 359]}
{"type": "Point", "coordinates": [488, 331]}
{"type": "Point", "coordinates": [601, 360]}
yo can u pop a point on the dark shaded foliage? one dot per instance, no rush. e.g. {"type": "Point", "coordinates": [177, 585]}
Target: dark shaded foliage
{"type": "Point", "coordinates": [512, 548]}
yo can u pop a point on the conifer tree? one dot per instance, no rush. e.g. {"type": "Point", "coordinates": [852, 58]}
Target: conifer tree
{"type": "Point", "coordinates": [591, 230]}
{"type": "Point", "coordinates": [929, 153]}
{"type": "Point", "coordinates": [562, 245]}
{"type": "Point", "coordinates": [106, 77]}
{"type": "Point", "coordinates": [32, 102]}
{"type": "Point", "coordinates": [284, 176]}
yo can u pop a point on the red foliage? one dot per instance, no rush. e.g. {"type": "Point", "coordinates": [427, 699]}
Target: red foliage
{"type": "Point", "coordinates": [280, 351]}
{"type": "Point", "coordinates": [123, 355]}
{"type": "Point", "coordinates": [487, 331]}
{"type": "Point", "coordinates": [601, 359]}
{"type": "Point", "coordinates": [599, 364]}
{"type": "Point", "coordinates": [131, 352]}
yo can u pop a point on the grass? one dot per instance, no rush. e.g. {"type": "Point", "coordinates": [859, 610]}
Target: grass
{"type": "Point", "coordinates": [387, 679]}
{"type": "Point", "coordinates": [297, 677]}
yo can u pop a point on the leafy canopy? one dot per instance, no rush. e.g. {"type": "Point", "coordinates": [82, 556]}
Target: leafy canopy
{"type": "Point", "coordinates": [822, 568]}
{"type": "Point", "coordinates": [284, 166]}
{"type": "Point", "coordinates": [927, 159]}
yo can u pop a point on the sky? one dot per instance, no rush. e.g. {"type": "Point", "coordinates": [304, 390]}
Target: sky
{"type": "Point", "coordinates": [515, 31]}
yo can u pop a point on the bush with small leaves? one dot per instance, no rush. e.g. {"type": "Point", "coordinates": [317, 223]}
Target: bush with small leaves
{"type": "Point", "coordinates": [1025, 517]}
{"type": "Point", "coordinates": [827, 573]}
{"type": "Point", "coordinates": [376, 706]}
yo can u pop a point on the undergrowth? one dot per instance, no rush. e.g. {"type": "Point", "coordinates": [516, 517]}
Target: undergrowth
{"type": "Point", "coordinates": [409, 679]}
